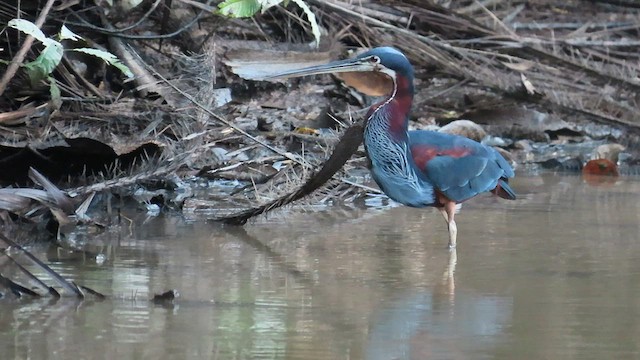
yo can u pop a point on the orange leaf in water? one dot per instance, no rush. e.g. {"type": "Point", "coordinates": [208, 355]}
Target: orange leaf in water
{"type": "Point", "coordinates": [600, 167]}
{"type": "Point", "coordinates": [600, 172]}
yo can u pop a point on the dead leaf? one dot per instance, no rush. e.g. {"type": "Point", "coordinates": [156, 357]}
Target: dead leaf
{"type": "Point", "coordinates": [521, 66]}
{"type": "Point", "coordinates": [528, 86]}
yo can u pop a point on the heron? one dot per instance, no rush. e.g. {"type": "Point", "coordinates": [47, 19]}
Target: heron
{"type": "Point", "coordinates": [418, 168]}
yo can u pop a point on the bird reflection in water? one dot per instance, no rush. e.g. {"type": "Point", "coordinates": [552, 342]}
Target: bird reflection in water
{"type": "Point", "coordinates": [437, 323]}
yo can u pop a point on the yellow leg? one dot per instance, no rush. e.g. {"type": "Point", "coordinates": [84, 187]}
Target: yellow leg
{"type": "Point", "coordinates": [448, 211]}
{"type": "Point", "coordinates": [453, 234]}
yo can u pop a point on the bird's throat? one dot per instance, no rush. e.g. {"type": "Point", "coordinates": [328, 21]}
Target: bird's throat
{"type": "Point", "coordinates": [372, 84]}
{"type": "Point", "coordinates": [392, 113]}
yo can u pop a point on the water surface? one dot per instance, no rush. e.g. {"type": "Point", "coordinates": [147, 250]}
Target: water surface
{"type": "Point", "coordinates": [554, 275]}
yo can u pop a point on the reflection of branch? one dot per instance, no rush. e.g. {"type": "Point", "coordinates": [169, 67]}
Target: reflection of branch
{"type": "Point", "coordinates": [17, 60]}
{"type": "Point", "coordinates": [322, 296]}
{"type": "Point", "coordinates": [275, 257]}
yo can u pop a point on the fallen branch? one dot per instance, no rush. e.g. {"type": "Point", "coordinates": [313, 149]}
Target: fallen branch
{"type": "Point", "coordinates": [19, 116]}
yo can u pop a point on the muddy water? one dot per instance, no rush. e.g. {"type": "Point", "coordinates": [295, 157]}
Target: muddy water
{"type": "Point", "coordinates": [555, 275]}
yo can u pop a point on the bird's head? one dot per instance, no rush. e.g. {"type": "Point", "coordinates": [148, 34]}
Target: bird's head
{"type": "Point", "coordinates": [375, 72]}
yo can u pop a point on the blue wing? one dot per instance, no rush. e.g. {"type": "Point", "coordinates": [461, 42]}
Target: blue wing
{"type": "Point", "coordinates": [458, 167]}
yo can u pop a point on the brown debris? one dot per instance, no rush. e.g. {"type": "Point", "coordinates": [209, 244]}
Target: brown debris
{"type": "Point", "coordinates": [70, 157]}
{"type": "Point", "coordinates": [543, 71]}
{"type": "Point", "coordinates": [466, 128]}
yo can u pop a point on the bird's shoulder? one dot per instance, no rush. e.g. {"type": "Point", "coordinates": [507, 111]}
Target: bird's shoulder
{"type": "Point", "coordinates": [433, 151]}
{"type": "Point", "coordinates": [427, 145]}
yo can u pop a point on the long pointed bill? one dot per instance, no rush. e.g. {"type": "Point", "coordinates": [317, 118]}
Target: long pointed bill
{"type": "Point", "coordinates": [341, 66]}
{"type": "Point", "coordinates": [366, 76]}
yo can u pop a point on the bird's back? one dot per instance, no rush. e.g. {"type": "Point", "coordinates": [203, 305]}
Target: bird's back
{"type": "Point", "coordinates": [458, 167]}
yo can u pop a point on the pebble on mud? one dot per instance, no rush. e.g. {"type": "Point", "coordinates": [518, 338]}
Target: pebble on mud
{"type": "Point", "coordinates": [608, 151]}
{"type": "Point", "coordinates": [495, 141]}
{"type": "Point", "coordinates": [523, 145]}
{"type": "Point", "coordinates": [466, 128]}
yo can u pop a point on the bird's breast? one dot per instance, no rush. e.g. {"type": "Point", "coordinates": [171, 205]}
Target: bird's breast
{"type": "Point", "coordinates": [393, 169]}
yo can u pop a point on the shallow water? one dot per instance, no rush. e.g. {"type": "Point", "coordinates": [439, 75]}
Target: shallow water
{"type": "Point", "coordinates": [554, 275]}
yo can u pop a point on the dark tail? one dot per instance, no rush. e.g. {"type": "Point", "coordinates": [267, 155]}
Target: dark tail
{"type": "Point", "coordinates": [504, 190]}
{"type": "Point", "coordinates": [348, 144]}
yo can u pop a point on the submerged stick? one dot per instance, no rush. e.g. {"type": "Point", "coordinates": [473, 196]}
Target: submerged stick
{"type": "Point", "coordinates": [34, 278]}
{"type": "Point", "coordinates": [64, 283]}
{"type": "Point", "coordinates": [348, 144]}
{"type": "Point", "coordinates": [16, 288]}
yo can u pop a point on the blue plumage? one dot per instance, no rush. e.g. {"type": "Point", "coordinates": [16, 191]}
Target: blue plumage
{"type": "Point", "coordinates": [425, 168]}
{"type": "Point", "coordinates": [416, 168]}
{"type": "Point", "coordinates": [458, 167]}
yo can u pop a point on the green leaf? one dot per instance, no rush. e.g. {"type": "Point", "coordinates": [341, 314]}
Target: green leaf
{"type": "Point", "coordinates": [29, 28]}
{"type": "Point", "coordinates": [54, 91]}
{"type": "Point", "coordinates": [239, 8]}
{"type": "Point", "coordinates": [109, 58]}
{"type": "Point", "coordinates": [315, 29]}
{"type": "Point", "coordinates": [66, 34]}
{"type": "Point", "coordinates": [45, 63]}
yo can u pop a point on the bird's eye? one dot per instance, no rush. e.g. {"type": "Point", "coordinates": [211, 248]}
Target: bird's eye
{"type": "Point", "coordinates": [375, 59]}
